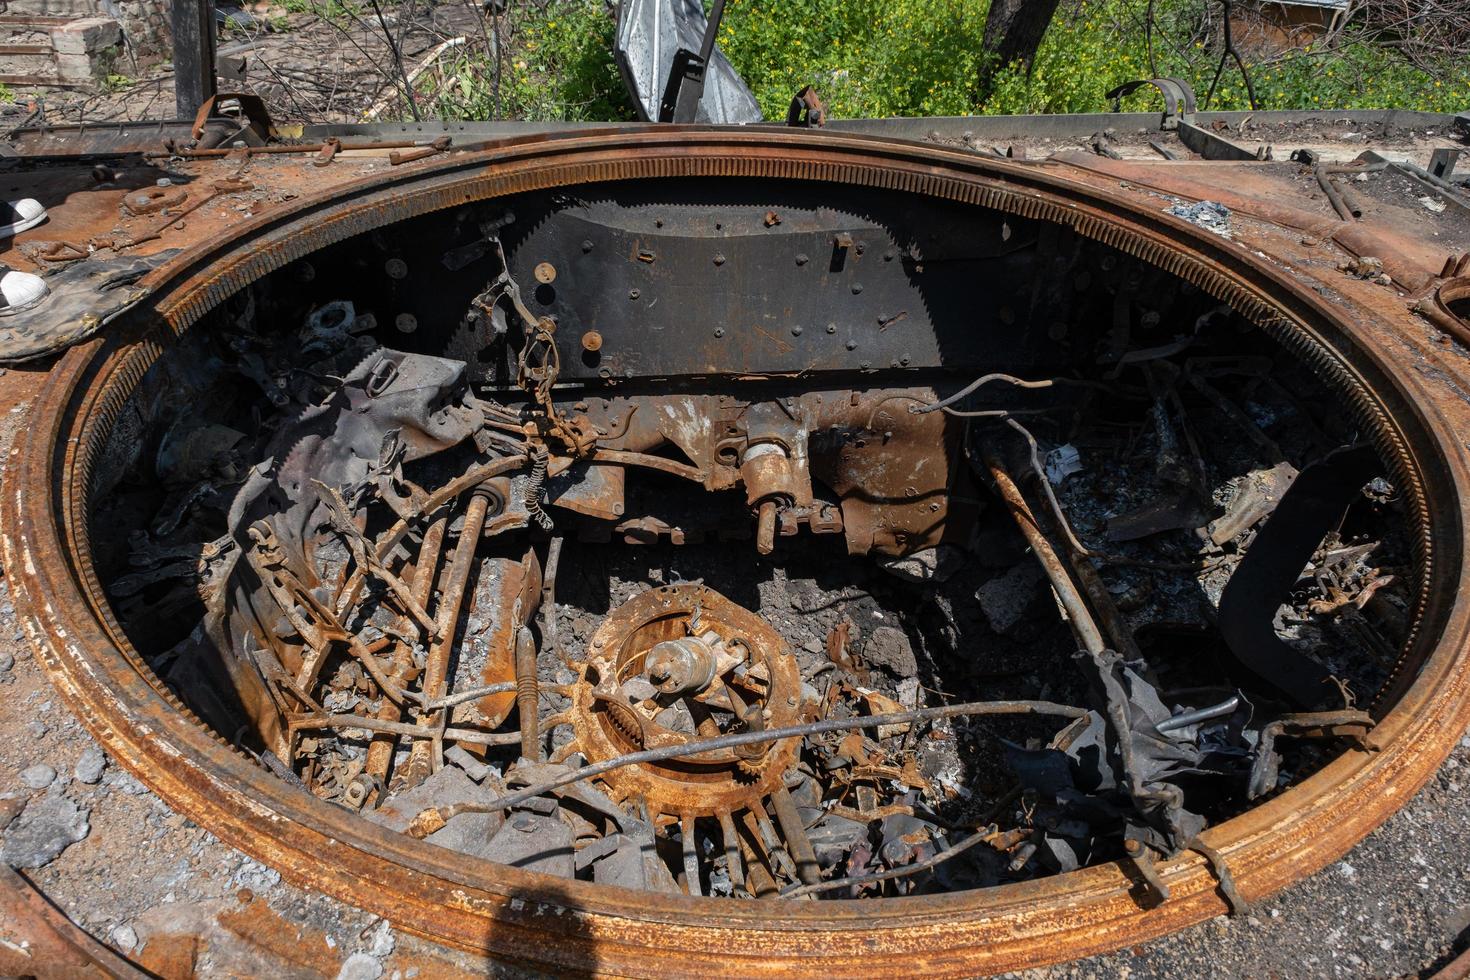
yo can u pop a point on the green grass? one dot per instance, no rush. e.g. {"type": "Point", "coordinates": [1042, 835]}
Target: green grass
{"type": "Point", "coordinates": [561, 67]}
{"type": "Point", "coordinates": [919, 57]}
{"type": "Point", "coordinates": [338, 12]}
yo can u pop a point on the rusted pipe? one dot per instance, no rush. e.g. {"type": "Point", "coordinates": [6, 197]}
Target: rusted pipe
{"type": "Point", "coordinates": [388, 540]}
{"type": "Point", "coordinates": [734, 863]}
{"type": "Point", "coordinates": [1051, 563]}
{"type": "Point", "coordinates": [436, 665]}
{"type": "Point", "coordinates": [380, 752]}
{"type": "Point", "coordinates": [770, 480]}
{"type": "Point", "coordinates": [1335, 196]}
{"type": "Point", "coordinates": [528, 694]}
{"type": "Point", "coordinates": [798, 844]}
{"type": "Point", "coordinates": [765, 528]}
{"type": "Point", "coordinates": [404, 729]}
{"type": "Point", "coordinates": [1102, 604]}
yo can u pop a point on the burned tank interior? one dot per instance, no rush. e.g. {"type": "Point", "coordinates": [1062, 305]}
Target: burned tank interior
{"type": "Point", "coordinates": [519, 526]}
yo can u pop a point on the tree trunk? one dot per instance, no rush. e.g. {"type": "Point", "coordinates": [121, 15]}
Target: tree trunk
{"type": "Point", "coordinates": [1013, 32]}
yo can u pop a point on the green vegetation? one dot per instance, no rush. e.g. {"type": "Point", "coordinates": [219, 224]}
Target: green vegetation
{"type": "Point", "coordinates": [919, 57]}
{"type": "Point", "coordinates": [340, 12]}
{"type": "Point", "coordinates": [559, 66]}
{"type": "Point", "coordinates": [6, 95]}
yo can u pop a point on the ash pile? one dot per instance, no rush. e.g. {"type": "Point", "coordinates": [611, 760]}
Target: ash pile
{"type": "Point", "coordinates": [719, 645]}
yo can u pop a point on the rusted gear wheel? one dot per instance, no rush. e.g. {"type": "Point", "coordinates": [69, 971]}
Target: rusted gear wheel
{"type": "Point", "coordinates": [686, 648]}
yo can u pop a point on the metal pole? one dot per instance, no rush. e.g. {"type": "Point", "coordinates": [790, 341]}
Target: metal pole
{"type": "Point", "coordinates": [194, 70]}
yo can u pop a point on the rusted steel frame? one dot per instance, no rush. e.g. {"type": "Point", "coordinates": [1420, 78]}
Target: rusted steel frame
{"type": "Point", "coordinates": [1079, 617]}
{"type": "Point", "coordinates": [451, 600]}
{"type": "Point", "coordinates": [622, 457]}
{"type": "Point", "coordinates": [327, 629]}
{"type": "Point", "coordinates": [338, 146]}
{"type": "Point", "coordinates": [431, 891]}
{"type": "Point", "coordinates": [1356, 237]}
{"type": "Point", "coordinates": [390, 538]}
{"type": "Point", "coordinates": [380, 752]}
{"type": "Point", "coordinates": [220, 188]}
{"type": "Point", "coordinates": [404, 729]}
{"type": "Point", "coordinates": [366, 558]}
{"type": "Point", "coordinates": [737, 739]}
{"type": "Point", "coordinates": [56, 946]}
{"type": "Point", "coordinates": [1435, 306]}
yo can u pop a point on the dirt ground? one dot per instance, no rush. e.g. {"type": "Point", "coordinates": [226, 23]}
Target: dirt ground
{"type": "Point", "coordinates": [318, 65]}
{"type": "Point", "coordinates": [168, 893]}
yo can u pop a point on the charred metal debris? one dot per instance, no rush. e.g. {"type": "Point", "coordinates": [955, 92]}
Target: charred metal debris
{"type": "Point", "coordinates": [895, 625]}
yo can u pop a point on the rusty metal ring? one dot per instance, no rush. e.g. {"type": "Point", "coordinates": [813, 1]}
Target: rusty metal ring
{"type": "Point", "coordinates": [576, 926]}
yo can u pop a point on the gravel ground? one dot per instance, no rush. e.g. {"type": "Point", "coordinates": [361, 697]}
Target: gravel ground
{"type": "Point", "coordinates": [135, 874]}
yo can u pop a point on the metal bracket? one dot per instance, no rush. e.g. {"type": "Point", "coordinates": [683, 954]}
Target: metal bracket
{"type": "Point", "coordinates": [1442, 161]}
{"type": "Point", "coordinates": [806, 109]}
{"type": "Point", "coordinates": [685, 87]}
{"type": "Point", "coordinates": [1213, 146]}
{"type": "Point", "coordinates": [1176, 91]}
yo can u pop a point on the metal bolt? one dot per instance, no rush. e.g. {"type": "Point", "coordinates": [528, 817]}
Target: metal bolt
{"type": "Point", "coordinates": [852, 345]}
{"type": "Point", "coordinates": [719, 258]}
{"type": "Point", "coordinates": [592, 341]}
{"type": "Point", "coordinates": [904, 360]}
{"type": "Point", "coordinates": [864, 365]}
{"type": "Point", "coordinates": [857, 287]}
{"type": "Point", "coordinates": [545, 272]}
{"type": "Point", "coordinates": [396, 268]}
{"type": "Point", "coordinates": [831, 328]}
{"type": "Point", "coordinates": [802, 259]}
{"type": "Point", "coordinates": [406, 323]}
{"type": "Point", "coordinates": [633, 294]}
{"type": "Point", "coordinates": [586, 244]}
{"type": "Point", "coordinates": [796, 331]}
{"type": "Point", "coordinates": [719, 331]}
